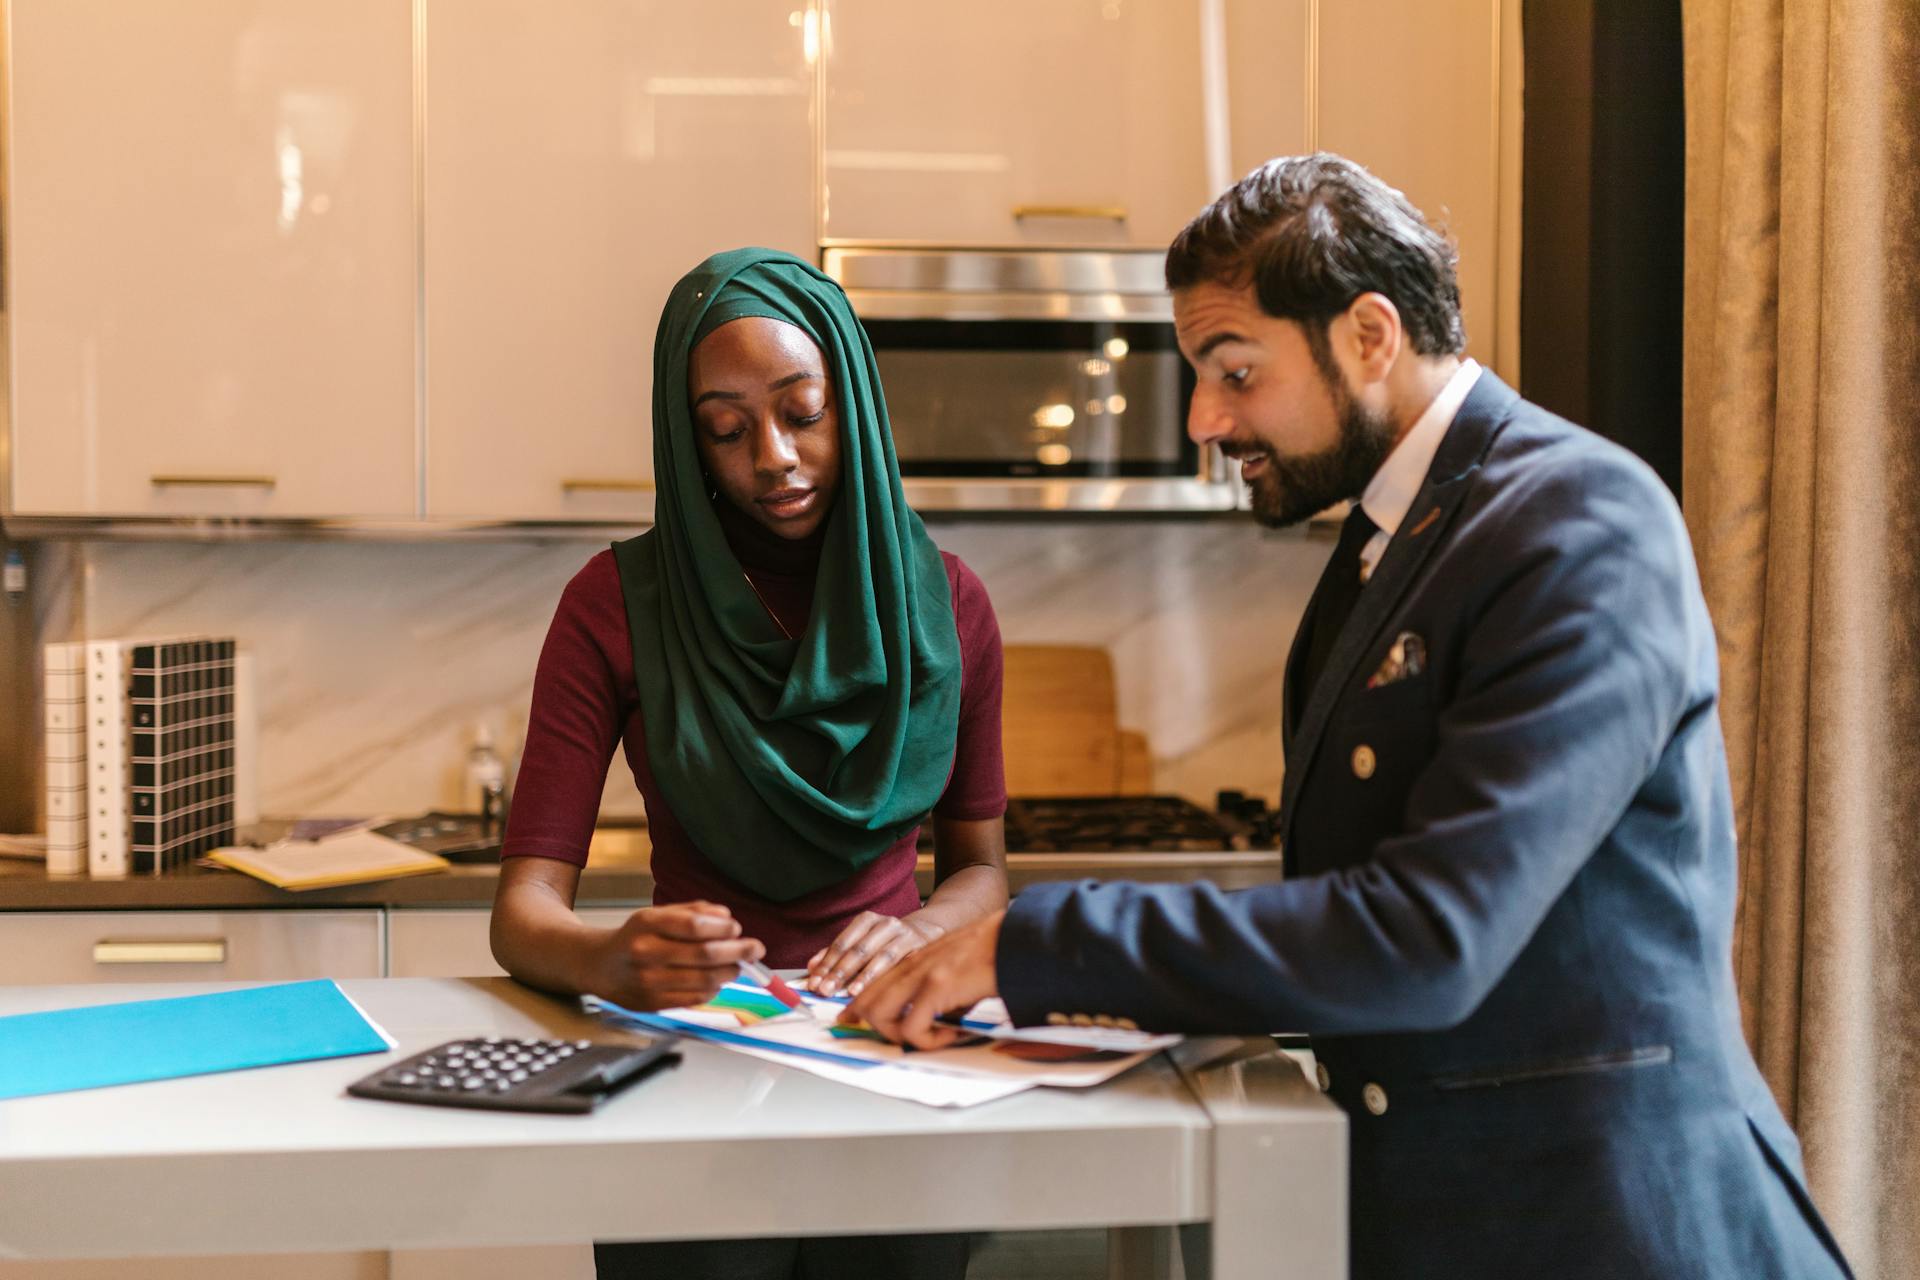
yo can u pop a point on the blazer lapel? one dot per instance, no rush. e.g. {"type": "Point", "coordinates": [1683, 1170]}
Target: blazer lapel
{"type": "Point", "coordinates": [1423, 530]}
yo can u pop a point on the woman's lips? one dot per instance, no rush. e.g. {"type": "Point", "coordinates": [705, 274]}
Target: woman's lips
{"type": "Point", "coordinates": [786, 503]}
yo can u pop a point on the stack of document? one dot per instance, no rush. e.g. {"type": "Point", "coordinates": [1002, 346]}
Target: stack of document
{"type": "Point", "coordinates": [998, 1061]}
{"type": "Point", "coordinates": [33, 847]}
{"type": "Point", "coordinates": [353, 856]}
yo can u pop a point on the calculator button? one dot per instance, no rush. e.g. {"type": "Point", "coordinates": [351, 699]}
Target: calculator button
{"type": "Point", "coordinates": [473, 1082]}
{"type": "Point", "coordinates": [443, 1082]}
{"type": "Point", "coordinates": [583, 1044]}
{"type": "Point", "coordinates": [564, 1051]}
{"type": "Point", "coordinates": [408, 1078]}
{"type": "Point", "coordinates": [501, 1086]}
{"type": "Point", "coordinates": [517, 1077]}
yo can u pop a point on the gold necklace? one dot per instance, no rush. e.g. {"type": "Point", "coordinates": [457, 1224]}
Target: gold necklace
{"type": "Point", "coordinates": [764, 605]}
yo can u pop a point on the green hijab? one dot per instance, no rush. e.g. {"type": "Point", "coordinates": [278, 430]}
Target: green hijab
{"type": "Point", "coordinates": [791, 763]}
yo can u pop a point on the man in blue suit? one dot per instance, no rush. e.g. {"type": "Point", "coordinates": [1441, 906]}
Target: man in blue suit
{"type": "Point", "coordinates": [1507, 913]}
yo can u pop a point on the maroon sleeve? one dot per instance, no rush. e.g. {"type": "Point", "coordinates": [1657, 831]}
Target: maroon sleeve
{"type": "Point", "coordinates": [978, 788]}
{"type": "Point", "coordinates": [575, 721]}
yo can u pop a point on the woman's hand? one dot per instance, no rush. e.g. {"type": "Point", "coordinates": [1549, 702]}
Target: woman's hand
{"type": "Point", "coordinates": [949, 977]}
{"type": "Point", "coordinates": [664, 957]}
{"type": "Point", "coordinates": [970, 881]}
{"type": "Point", "coordinates": [865, 949]}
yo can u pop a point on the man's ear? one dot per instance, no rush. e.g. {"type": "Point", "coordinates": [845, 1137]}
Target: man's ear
{"type": "Point", "coordinates": [1373, 335]}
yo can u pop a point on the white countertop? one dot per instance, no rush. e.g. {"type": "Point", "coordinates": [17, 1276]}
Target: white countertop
{"type": "Point", "coordinates": [280, 1159]}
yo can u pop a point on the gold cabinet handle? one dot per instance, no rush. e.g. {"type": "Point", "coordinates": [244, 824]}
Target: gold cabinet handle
{"type": "Point", "coordinates": [1108, 212]}
{"type": "Point", "coordinates": [222, 482]}
{"type": "Point", "coordinates": [606, 485]}
{"type": "Point", "coordinates": [160, 951]}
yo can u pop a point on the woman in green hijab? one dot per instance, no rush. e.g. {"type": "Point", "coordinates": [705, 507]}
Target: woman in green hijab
{"type": "Point", "coordinates": [800, 679]}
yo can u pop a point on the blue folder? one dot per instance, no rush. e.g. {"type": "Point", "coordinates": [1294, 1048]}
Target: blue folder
{"type": "Point", "coordinates": [105, 1044]}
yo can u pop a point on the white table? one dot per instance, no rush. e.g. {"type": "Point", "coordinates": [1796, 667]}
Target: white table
{"type": "Point", "coordinates": [281, 1160]}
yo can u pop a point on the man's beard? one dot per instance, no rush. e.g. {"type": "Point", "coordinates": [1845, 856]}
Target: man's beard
{"type": "Point", "coordinates": [1292, 489]}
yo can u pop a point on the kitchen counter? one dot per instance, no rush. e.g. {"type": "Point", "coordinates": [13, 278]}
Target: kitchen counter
{"type": "Point", "coordinates": [280, 1159]}
{"type": "Point", "coordinates": [616, 872]}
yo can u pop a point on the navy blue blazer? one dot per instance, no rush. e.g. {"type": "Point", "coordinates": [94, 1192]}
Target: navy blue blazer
{"type": "Point", "coordinates": [1508, 906]}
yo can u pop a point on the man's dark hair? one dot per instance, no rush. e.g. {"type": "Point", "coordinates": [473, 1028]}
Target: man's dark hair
{"type": "Point", "coordinates": [1311, 234]}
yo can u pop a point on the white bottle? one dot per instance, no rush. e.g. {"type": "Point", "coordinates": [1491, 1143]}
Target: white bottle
{"type": "Point", "coordinates": [486, 779]}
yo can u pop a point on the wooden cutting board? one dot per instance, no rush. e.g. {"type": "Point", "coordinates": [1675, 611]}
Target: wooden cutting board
{"type": "Point", "coordinates": [1061, 729]}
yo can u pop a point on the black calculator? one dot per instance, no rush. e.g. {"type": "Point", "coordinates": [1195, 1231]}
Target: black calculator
{"type": "Point", "coordinates": [505, 1073]}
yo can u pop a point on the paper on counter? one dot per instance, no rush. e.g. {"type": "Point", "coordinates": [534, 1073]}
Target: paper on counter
{"type": "Point", "coordinates": [964, 1075]}
{"type": "Point", "coordinates": [350, 857]}
{"type": "Point", "coordinates": [24, 846]}
{"type": "Point", "coordinates": [993, 1010]}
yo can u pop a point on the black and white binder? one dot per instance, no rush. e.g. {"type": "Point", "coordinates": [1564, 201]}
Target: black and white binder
{"type": "Point", "coordinates": [64, 692]}
{"type": "Point", "coordinates": [109, 827]}
{"type": "Point", "coordinates": [160, 749]}
{"type": "Point", "coordinates": [181, 750]}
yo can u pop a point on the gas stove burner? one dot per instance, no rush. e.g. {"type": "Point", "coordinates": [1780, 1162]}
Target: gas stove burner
{"type": "Point", "coordinates": [1126, 824]}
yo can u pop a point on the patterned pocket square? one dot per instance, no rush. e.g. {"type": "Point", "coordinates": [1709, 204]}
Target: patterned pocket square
{"type": "Point", "coordinates": [1405, 660]}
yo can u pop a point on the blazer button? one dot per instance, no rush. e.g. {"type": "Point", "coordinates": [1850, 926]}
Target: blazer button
{"type": "Point", "coordinates": [1363, 762]}
{"type": "Point", "coordinates": [1323, 1076]}
{"type": "Point", "coordinates": [1375, 1098]}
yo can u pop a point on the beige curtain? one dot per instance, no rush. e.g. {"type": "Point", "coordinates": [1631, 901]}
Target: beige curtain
{"type": "Point", "coordinates": [1802, 491]}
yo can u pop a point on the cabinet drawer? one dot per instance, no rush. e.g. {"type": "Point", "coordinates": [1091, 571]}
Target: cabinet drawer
{"type": "Point", "coordinates": [454, 944]}
{"type": "Point", "coordinates": [187, 946]}
{"type": "Point", "coordinates": [369, 1265]}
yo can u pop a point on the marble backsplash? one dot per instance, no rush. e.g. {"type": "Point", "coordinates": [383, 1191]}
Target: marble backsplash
{"type": "Point", "coordinates": [375, 662]}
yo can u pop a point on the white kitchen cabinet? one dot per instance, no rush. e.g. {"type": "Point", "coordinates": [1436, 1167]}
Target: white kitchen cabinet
{"type": "Point", "coordinates": [371, 1265]}
{"type": "Point", "coordinates": [1386, 65]}
{"type": "Point", "coordinates": [580, 159]}
{"type": "Point", "coordinates": [1269, 55]}
{"type": "Point", "coordinates": [1013, 121]}
{"type": "Point", "coordinates": [212, 258]}
{"type": "Point", "coordinates": [193, 946]}
{"type": "Point", "coordinates": [39, 947]}
{"type": "Point", "coordinates": [452, 943]}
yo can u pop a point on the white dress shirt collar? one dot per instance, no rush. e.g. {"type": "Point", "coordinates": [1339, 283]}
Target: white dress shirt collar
{"type": "Point", "coordinates": [1389, 495]}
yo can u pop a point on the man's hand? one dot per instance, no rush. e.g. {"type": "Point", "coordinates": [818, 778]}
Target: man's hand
{"type": "Point", "coordinates": [663, 957]}
{"type": "Point", "coordinates": [947, 976]}
{"type": "Point", "coordinates": [865, 949]}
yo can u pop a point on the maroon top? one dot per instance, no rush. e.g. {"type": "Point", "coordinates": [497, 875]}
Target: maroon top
{"type": "Point", "coordinates": [585, 700]}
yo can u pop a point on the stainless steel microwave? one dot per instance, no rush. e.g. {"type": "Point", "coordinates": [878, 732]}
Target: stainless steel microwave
{"type": "Point", "coordinates": [1032, 380]}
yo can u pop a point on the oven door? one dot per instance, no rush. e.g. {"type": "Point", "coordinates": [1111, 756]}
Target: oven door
{"type": "Point", "coordinates": [1032, 380]}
